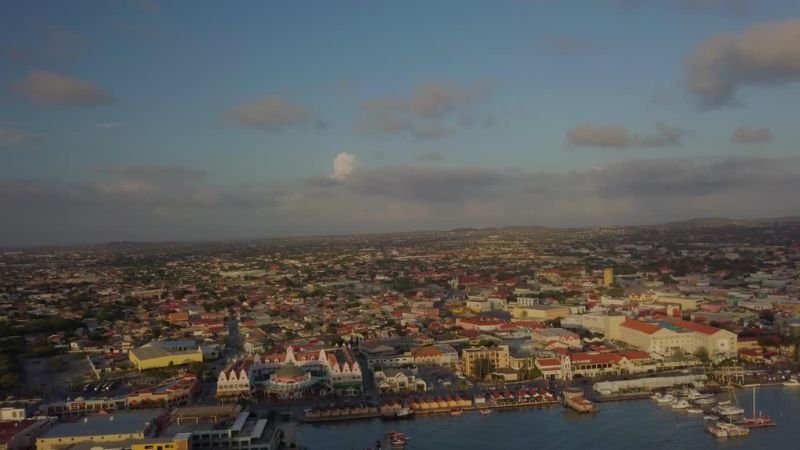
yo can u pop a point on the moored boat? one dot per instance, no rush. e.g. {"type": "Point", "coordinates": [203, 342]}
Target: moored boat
{"type": "Point", "coordinates": [402, 413]}
{"type": "Point", "coordinates": [665, 399]}
{"type": "Point", "coordinates": [395, 440]}
{"type": "Point", "coordinates": [680, 404]}
{"type": "Point", "coordinates": [703, 401]}
{"type": "Point", "coordinates": [757, 421]}
{"type": "Point", "coordinates": [792, 382]}
{"type": "Point", "coordinates": [694, 410]}
{"type": "Point", "coordinates": [486, 411]}
{"type": "Point", "coordinates": [457, 412]}
{"type": "Point", "coordinates": [725, 429]}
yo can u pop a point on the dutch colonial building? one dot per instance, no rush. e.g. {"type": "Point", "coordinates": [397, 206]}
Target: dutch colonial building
{"type": "Point", "coordinates": [293, 375]}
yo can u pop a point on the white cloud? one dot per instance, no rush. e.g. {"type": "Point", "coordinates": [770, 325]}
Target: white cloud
{"type": "Point", "coordinates": [343, 165]}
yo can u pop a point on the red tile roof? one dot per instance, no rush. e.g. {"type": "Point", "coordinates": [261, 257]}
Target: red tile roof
{"type": "Point", "coordinates": [595, 358]}
{"type": "Point", "coordinates": [640, 326]}
{"type": "Point", "coordinates": [635, 354]}
{"type": "Point", "coordinates": [693, 326]}
{"type": "Point", "coordinates": [548, 362]}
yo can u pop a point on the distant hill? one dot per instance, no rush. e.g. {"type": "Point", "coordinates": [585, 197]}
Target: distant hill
{"type": "Point", "coordinates": [701, 222]}
{"type": "Point", "coordinates": [714, 222]}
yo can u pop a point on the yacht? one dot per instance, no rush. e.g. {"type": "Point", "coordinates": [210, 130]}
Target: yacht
{"type": "Point", "coordinates": [680, 404]}
{"type": "Point", "coordinates": [792, 382]}
{"type": "Point", "coordinates": [694, 410]}
{"type": "Point", "coordinates": [665, 399]}
{"type": "Point", "coordinates": [693, 394]}
{"type": "Point", "coordinates": [728, 410]}
{"type": "Point", "coordinates": [725, 429]}
{"type": "Point", "coordinates": [705, 401]}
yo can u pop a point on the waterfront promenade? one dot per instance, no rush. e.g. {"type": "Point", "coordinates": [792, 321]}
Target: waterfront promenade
{"type": "Point", "coordinates": [620, 425]}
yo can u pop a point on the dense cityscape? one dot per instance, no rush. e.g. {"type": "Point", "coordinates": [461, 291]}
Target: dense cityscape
{"type": "Point", "coordinates": [233, 344]}
{"type": "Point", "coordinates": [399, 225]}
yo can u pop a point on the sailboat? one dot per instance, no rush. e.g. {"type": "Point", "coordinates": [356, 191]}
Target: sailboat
{"type": "Point", "coordinates": [757, 421]}
{"type": "Point", "coordinates": [727, 408]}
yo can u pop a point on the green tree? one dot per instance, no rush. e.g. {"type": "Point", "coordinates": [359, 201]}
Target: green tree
{"type": "Point", "coordinates": [483, 367]}
{"type": "Point", "coordinates": [702, 354]}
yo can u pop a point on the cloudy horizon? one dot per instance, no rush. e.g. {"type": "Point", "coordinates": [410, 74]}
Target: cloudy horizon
{"type": "Point", "coordinates": [145, 121]}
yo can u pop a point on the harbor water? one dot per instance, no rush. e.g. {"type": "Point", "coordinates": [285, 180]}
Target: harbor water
{"type": "Point", "coordinates": [632, 424]}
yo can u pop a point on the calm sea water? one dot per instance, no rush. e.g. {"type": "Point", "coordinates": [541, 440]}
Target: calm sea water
{"type": "Point", "coordinates": [639, 424]}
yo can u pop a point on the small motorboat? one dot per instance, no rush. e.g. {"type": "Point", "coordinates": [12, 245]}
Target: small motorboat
{"type": "Point", "coordinates": [707, 399]}
{"type": "Point", "coordinates": [396, 440]}
{"type": "Point", "coordinates": [457, 412]}
{"type": "Point", "coordinates": [665, 399]}
{"type": "Point", "coordinates": [792, 382]}
{"type": "Point", "coordinates": [694, 410]}
{"type": "Point", "coordinates": [486, 411]}
{"type": "Point", "coordinates": [680, 404]}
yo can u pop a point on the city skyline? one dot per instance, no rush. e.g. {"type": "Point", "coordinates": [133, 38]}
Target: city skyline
{"type": "Point", "coordinates": [150, 121]}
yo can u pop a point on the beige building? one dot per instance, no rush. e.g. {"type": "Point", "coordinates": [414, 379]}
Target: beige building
{"type": "Point", "coordinates": [667, 336]}
{"type": "Point", "coordinates": [539, 312]}
{"type": "Point", "coordinates": [496, 357]}
{"type": "Point", "coordinates": [159, 354]}
{"type": "Point", "coordinates": [686, 303]}
{"type": "Point", "coordinates": [605, 324]}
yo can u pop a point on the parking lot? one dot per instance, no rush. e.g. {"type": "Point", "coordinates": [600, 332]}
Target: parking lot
{"type": "Point", "coordinates": [55, 376]}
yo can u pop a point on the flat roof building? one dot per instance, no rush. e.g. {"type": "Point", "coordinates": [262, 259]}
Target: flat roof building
{"type": "Point", "coordinates": [159, 354]}
{"type": "Point", "coordinates": [117, 427]}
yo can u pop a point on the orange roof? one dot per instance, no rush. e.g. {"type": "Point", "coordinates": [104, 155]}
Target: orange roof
{"type": "Point", "coordinates": [426, 351]}
{"type": "Point", "coordinates": [694, 326]}
{"type": "Point", "coordinates": [643, 327]}
{"type": "Point", "coordinates": [635, 354]}
{"type": "Point", "coordinates": [548, 362]}
{"type": "Point", "coordinates": [595, 358]}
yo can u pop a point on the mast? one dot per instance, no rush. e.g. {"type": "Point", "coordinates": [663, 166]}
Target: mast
{"type": "Point", "coordinates": [754, 401]}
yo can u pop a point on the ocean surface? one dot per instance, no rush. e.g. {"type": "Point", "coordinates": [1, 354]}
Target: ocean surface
{"type": "Point", "coordinates": [635, 424]}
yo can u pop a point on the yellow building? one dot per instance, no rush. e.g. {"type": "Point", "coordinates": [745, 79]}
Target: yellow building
{"type": "Point", "coordinates": [539, 312]}
{"type": "Point", "coordinates": [159, 354]}
{"type": "Point", "coordinates": [178, 442]}
{"type": "Point", "coordinates": [497, 358]}
{"type": "Point", "coordinates": [101, 429]}
{"type": "Point", "coordinates": [608, 276]}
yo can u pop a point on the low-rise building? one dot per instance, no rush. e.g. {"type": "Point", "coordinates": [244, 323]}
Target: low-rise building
{"type": "Point", "coordinates": [160, 354]}
{"type": "Point", "coordinates": [101, 428]}
{"type": "Point", "coordinates": [567, 337]}
{"type": "Point", "coordinates": [539, 312]}
{"type": "Point", "coordinates": [665, 337]}
{"type": "Point", "coordinates": [397, 381]}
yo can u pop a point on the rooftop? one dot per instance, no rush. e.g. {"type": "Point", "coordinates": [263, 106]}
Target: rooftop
{"type": "Point", "coordinates": [643, 327]}
{"type": "Point", "coordinates": [104, 424]}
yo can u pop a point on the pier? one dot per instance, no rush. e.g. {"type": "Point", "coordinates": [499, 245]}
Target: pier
{"type": "Point", "coordinates": [575, 400]}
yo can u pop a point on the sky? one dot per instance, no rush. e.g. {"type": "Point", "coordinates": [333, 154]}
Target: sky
{"type": "Point", "coordinates": [152, 120]}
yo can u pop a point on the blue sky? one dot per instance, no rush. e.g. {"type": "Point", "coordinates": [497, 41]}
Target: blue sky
{"type": "Point", "coordinates": [236, 112]}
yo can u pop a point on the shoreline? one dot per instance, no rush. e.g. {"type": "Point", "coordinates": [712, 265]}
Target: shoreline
{"type": "Point", "coordinates": [427, 412]}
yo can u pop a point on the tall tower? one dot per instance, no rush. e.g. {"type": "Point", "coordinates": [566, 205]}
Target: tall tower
{"type": "Point", "coordinates": [608, 276]}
